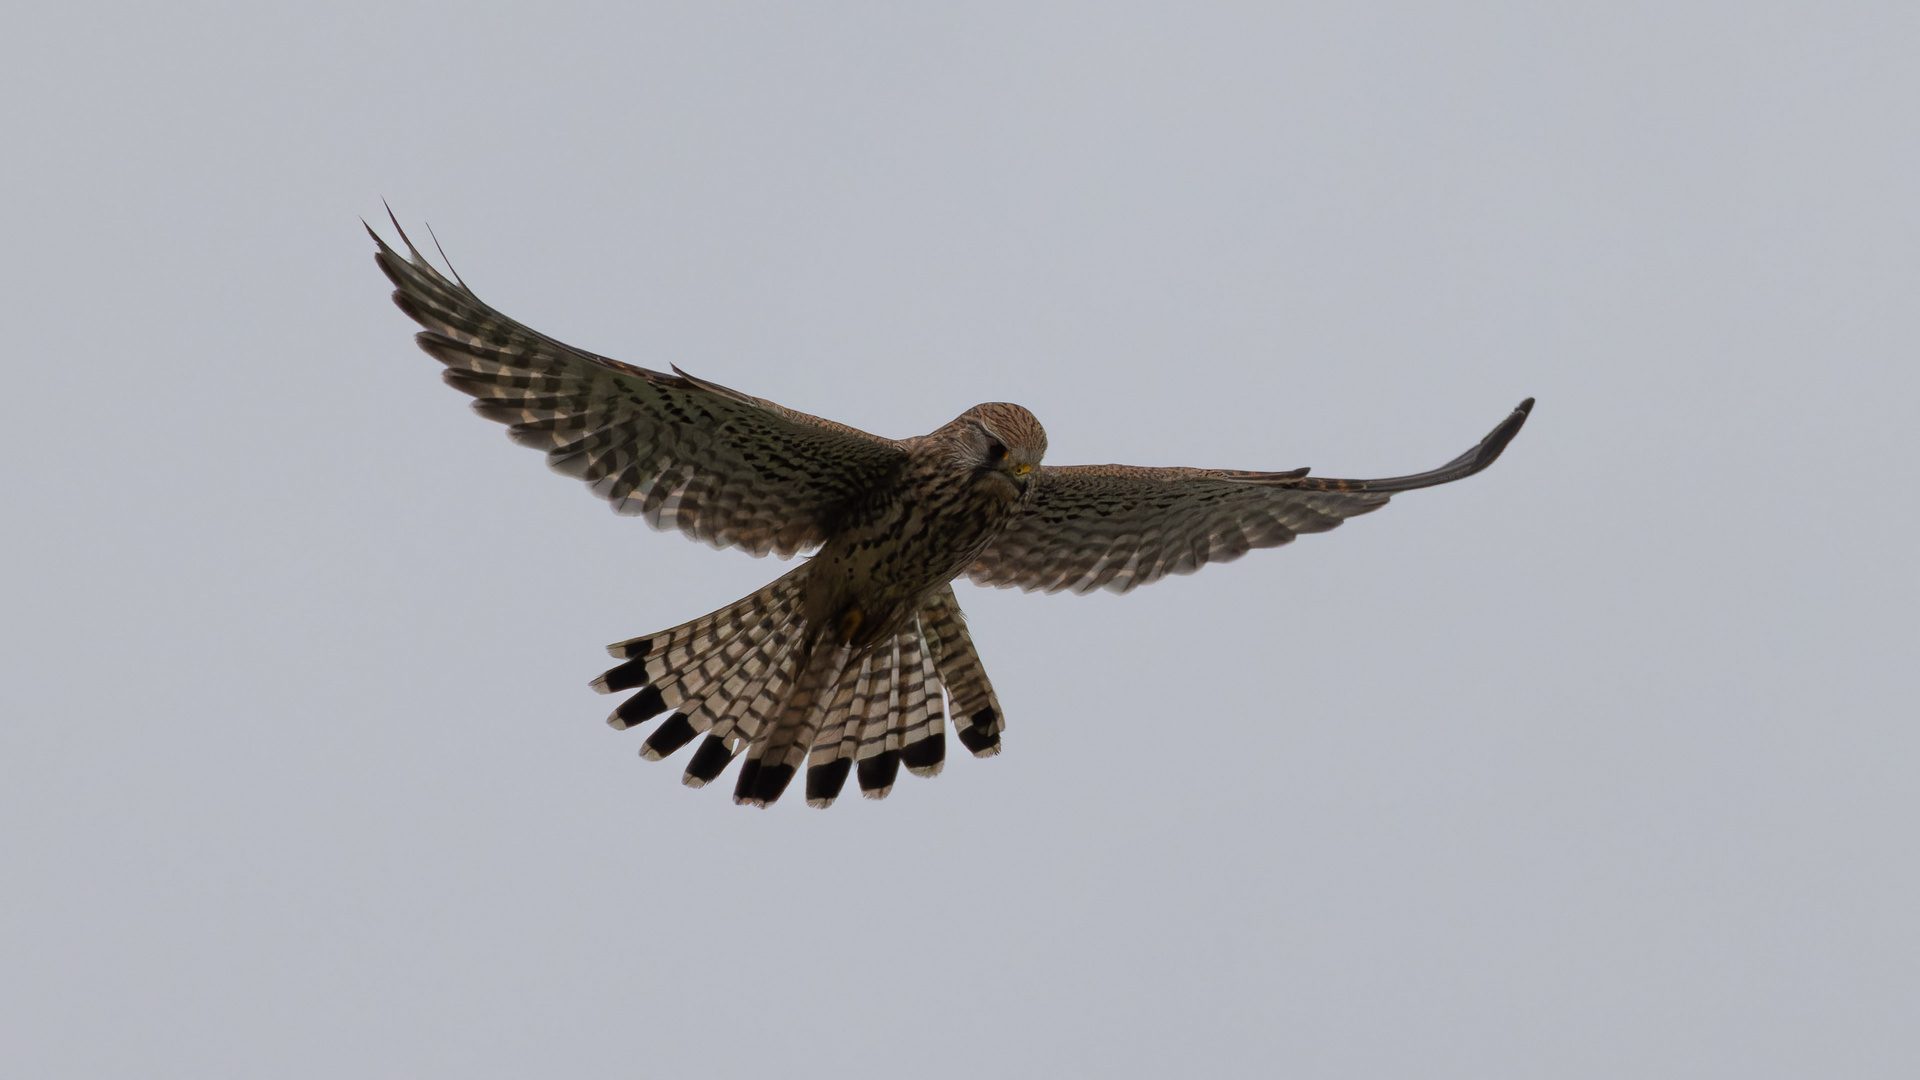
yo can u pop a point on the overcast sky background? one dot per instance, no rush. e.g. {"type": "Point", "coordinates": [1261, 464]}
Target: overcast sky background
{"type": "Point", "coordinates": [1599, 764]}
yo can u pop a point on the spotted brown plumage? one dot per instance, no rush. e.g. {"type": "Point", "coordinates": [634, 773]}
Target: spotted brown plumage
{"type": "Point", "coordinates": [850, 663]}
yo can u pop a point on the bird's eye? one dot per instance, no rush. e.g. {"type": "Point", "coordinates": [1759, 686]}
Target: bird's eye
{"type": "Point", "coordinates": [996, 452]}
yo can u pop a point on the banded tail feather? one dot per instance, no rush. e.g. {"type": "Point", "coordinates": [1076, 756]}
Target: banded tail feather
{"type": "Point", "coordinates": [676, 732]}
{"type": "Point", "coordinates": [831, 758]}
{"type": "Point", "coordinates": [922, 719]}
{"type": "Point", "coordinates": [712, 759]}
{"type": "Point", "coordinates": [876, 761]}
{"type": "Point", "coordinates": [977, 719]}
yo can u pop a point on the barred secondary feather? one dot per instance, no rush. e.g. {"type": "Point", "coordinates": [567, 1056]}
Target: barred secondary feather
{"type": "Point", "coordinates": [849, 664]}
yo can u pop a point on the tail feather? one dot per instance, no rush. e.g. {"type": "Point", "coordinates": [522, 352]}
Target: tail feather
{"type": "Point", "coordinates": [877, 761]}
{"type": "Point", "coordinates": [835, 747]}
{"type": "Point", "coordinates": [670, 736]}
{"type": "Point", "coordinates": [923, 718]}
{"type": "Point", "coordinates": [712, 759]}
{"type": "Point", "coordinates": [977, 719]}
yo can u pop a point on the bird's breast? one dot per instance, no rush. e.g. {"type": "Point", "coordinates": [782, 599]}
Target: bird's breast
{"type": "Point", "coordinates": [893, 550]}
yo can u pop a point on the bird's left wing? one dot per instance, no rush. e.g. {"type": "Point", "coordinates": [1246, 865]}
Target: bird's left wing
{"type": "Point", "coordinates": [683, 453]}
{"type": "Point", "coordinates": [1116, 527]}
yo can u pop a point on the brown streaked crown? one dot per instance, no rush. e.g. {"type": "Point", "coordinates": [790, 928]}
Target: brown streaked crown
{"type": "Point", "coordinates": [1013, 425]}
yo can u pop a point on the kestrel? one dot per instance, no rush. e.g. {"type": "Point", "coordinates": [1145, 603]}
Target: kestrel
{"type": "Point", "coordinates": [842, 663]}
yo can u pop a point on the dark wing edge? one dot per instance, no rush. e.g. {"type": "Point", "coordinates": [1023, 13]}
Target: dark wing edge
{"type": "Point", "coordinates": [716, 464]}
{"type": "Point", "coordinates": [1118, 527]}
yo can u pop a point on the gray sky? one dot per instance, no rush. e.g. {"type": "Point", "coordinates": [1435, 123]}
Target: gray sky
{"type": "Point", "coordinates": [1600, 764]}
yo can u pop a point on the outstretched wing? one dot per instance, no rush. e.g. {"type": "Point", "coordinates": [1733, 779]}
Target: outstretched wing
{"type": "Point", "coordinates": [1117, 527]}
{"type": "Point", "coordinates": [681, 452]}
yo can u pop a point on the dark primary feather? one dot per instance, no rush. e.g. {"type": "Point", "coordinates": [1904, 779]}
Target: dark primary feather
{"type": "Point", "coordinates": [686, 454]}
{"type": "Point", "coordinates": [1118, 527]}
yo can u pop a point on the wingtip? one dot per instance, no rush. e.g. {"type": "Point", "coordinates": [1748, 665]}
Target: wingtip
{"type": "Point", "coordinates": [1515, 420]}
{"type": "Point", "coordinates": [412, 251]}
{"type": "Point", "coordinates": [1478, 457]}
{"type": "Point", "coordinates": [443, 258]}
{"type": "Point", "coordinates": [1496, 441]}
{"type": "Point", "coordinates": [693, 381]}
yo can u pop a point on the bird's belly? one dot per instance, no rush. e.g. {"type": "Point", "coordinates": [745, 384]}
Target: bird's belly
{"type": "Point", "coordinates": [868, 582]}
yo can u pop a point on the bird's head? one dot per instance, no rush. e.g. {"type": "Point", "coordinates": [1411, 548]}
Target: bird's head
{"type": "Point", "coordinates": [1003, 445]}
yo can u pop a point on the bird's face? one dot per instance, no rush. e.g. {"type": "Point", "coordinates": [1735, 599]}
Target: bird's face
{"type": "Point", "coordinates": [1004, 447]}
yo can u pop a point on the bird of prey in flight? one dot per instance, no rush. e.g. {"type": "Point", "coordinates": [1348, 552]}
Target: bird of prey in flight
{"type": "Point", "coordinates": [841, 665]}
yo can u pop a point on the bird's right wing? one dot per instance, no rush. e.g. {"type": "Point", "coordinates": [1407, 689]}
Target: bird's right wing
{"type": "Point", "coordinates": [683, 453]}
{"type": "Point", "coordinates": [1088, 527]}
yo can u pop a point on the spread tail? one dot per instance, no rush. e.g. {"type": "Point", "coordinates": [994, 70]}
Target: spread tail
{"type": "Point", "coordinates": [748, 678]}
